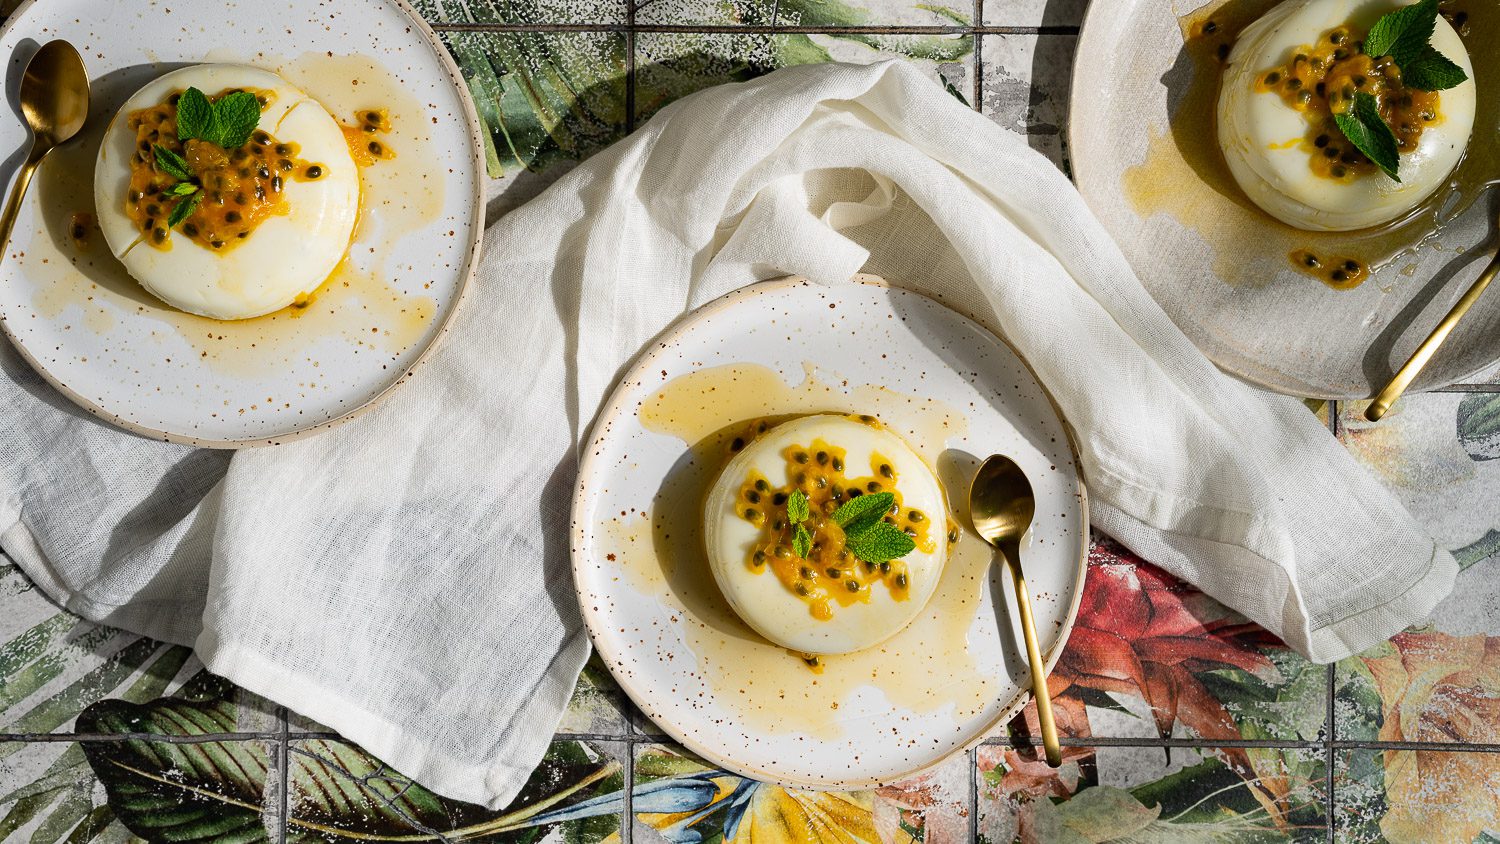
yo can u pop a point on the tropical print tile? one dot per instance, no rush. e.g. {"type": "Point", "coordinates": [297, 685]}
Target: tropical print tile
{"type": "Point", "coordinates": [1051, 14]}
{"type": "Point", "coordinates": [1416, 796]}
{"type": "Point", "coordinates": [1152, 657]}
{"type": "Point", "coordinates": [1026, 85]}
{"type": "Point", "coordinates": [679, 798]}
{"type": "Point", "coordinates": [1438, 681]}
{"type": "Point", "coordinates": [598, 705]}
{"type": "Point", "coordinates": [671, 65]}
{"type": "Point", "coordinates": [1150, 794]}
{"type": "Point", "coordinates": [54, 665]}
{"type": "Point", "coordinates": [338, 793]}
{"type": "Point", "coordinates": [522, 12]}
{"type": "Point", "coordinates": [112, 791]}
{"type": "Point", "coordinates": [807, 13]}
{"type": "Point", "coordinates": [545, 98]}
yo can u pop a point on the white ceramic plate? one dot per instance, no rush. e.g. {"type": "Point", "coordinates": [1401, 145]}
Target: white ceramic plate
{"type": "Point", "coordinates": [658, 620]}
{"type": "Point", "coordinates": [1219, 266]}
{"type": "Point", "coordinates": [128, 358]}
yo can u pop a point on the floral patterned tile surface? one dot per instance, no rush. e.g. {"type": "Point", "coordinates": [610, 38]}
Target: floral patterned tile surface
{"type": "Point", "coordinates": [1151, 657]}
{"type": "Point", "coordinates": [1051, 14]}
{"type": "Point", "coordinates": [805, 13]}
{"type": "Point", "coordinates": [1026, 84]}
{"type": "Point", "coordinates": [1184, 721]}
{"type": "Point", "coordinates": [1150, 794]}
{"type": "Point", "coordinates": [523, 12]}
{"type": "Point", "coordinates": [670, 65]}
{"type": "Point", "coordinates": [678, 797]}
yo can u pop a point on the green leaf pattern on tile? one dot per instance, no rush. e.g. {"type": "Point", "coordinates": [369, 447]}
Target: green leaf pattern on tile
{"type": "Point", "coordinates": [1479, 425]}
{"type": "Point", "coordinates": [547, 98]}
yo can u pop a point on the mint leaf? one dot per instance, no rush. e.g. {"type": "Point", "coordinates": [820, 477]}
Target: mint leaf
{"type": "Point", "coordinates": [880, 542]}
{"type": "Point", "coordinates": [1403, 34]}
{"type": "Point", "coordinates": [1432, 71]}
{"type": "Point", "coordinates": [170, 163]}
{"type": "Point", "coordinates": [801, 541]}
{"type": "Point", "coordinates": [797, 508]}
{"type": "Point", "coordinates": [182, 189]}
{"type": "Point", "coordinates": [857, 513]}
{"type": "Point", "coordinates": [195, 116]}
{"type": "Point", "coordinates": [236, 116]}
{"type": "Point", "coordinates": [1365, 128]}
{"type": "Point", "coordinates": [182, 209]}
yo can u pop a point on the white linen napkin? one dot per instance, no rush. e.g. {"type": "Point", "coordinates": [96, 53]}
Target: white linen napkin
{"type": "Point", "coordinates": [404, 578]}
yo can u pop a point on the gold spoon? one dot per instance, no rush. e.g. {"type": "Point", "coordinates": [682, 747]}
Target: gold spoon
{"type": "Point", "coordinates": [1001, 506]}
{"type": "Point", "coordinates": [1424, 353]}
{"type": "Point", "coordinates": [54, 102]}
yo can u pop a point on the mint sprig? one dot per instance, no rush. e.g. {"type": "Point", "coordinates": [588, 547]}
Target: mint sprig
{"type": "Point", "coordinates": [1404, 35]}
{"type": "Point", "coordinates": [880, 542]}
{"type": "Point", "coordinates": [801, 540]}
{"type": "Point", "coordinates": [858, 513]}
{"type": "Point", "coordinates": [183, 209]}
{"type": "Point", "coordinates": [866, 535]}
{"type": "Point", "coordinates": [170, 163]}
{"type": "Point", "coordinates": [1367, 130]}
{"type": "Point", "coordinates": [228, 121]}
{"type": "Point", "coordinates": [797, 507]}
{"type": "Point", "coordinates": [1432, 71]}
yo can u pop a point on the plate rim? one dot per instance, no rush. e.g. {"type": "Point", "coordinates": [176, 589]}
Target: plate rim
{"type": "Point", "coordinates": [466, 277]}
{"type": "Point", "coordinates": [615, 405]}
{"type": "Point", "coordinates": [1088, 33]}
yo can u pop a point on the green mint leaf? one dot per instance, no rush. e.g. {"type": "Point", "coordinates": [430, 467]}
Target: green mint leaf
{"type": "Point", "coordinates": [236, 116]}
{"type": "Point", "coordinates": [1432, 71]}
{"type": "Point", "coordinates": [170, 163]}
{"type": "Point", "coordinates": [182, 209]}
{"type": "Point", "coordinates": [797, 508]}
{"type": "Point", "coordinates": [801, 541]}
{"type": "Point", "coordinates": [182, 189]}
{"type": "Point", "coordinates": [195, 116]}
{"type": "Point", "coordinates": [860, 512]}
{"type": "Point", "coordinates": [1403, 34]}
{"type": "Point", "coordinates": [880, 542]}
{"type": "Point", "coordinates": [1364, 128]}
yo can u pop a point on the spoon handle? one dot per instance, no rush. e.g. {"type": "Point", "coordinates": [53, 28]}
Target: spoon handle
{"type": "Point", "coordinates": [1409, 371]}
{"type": "Point", "coordinates": [1012, 554]}
{"type": "Point", "coordinates": [17, 193]}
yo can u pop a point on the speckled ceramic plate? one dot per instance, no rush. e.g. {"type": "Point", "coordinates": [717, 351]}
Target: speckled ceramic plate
{"type": "Point", "coordinates": [1219, 266]}
{"type": "Point", "coordinates": [956, 394]}
{"type": "Point", "coordinates": [111, 347]}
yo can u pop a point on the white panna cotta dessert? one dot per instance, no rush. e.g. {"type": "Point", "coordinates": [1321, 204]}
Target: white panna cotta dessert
{"type": "Point", "coordinates": [1298, 65]}
{"type": "Point", "coordinates": [244, 216]}
{"type": "Point", "coordinates": [827, 534]}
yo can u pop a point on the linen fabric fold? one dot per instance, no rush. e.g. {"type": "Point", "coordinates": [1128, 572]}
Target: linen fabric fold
{"type": "Point", "coordinates": [404, 578]}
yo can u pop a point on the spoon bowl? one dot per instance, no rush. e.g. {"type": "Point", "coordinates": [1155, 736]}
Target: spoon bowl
{"type": "Point", "coordinates": [1001, 507]}
{"type": "Point", "coordinates": [1001, 503]}
{"type": "Point", "coordinates": [54, 103]}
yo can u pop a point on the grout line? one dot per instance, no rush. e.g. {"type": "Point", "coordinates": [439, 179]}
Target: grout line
{"type": "Point", "coordinates": [1468, 388]}
{"type": "Point", "coordinates": [283, 761]}
{"type": "Point", "coordinates": [206, 738]}
{"type": "Point", "coordinates": [1330, 730]}
{"type": "Point", "coordinates": [630, 33]}
{"type": "Point", "coordinates": [643, 738]}
{"type": "Point", "coordinates": [973, 758]}
{"type": "Point", "coordinates": [1275, 744]}
{"type": "Point", "coordinates": [977, 62]}
{"type": "Point", "coordinates": [627, 820]}
{"type": "Point", "coordinates": [755, 29]}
